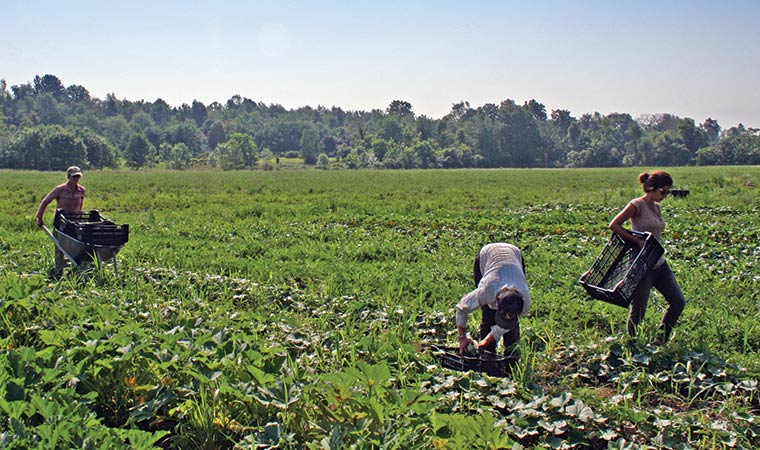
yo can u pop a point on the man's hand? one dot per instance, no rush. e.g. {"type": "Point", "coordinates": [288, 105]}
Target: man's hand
{"type": "Point", "coordinates": [464, 343]}
{"type": "Point", "coordinates": [38, 221]}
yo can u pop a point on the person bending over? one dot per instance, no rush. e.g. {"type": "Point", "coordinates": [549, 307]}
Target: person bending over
{"type": "Point", "coordinates": [502, 294]}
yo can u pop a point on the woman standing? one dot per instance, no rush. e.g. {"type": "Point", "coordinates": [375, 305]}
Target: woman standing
{"type": "Point", "coordinates": [644, 214]}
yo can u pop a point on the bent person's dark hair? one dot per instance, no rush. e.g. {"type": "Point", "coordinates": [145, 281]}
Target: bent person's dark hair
{"type": "Point", "coordinates": [509, 300]}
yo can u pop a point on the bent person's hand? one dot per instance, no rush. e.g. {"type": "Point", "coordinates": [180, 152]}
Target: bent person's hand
{"type": "Point", "coordinates": [38, 222]}
{"type": "Point", "coordinates": [464, 343]}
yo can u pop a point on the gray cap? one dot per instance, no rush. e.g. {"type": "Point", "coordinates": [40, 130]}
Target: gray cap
{"type": "Point", "coordinates": [73, 171]}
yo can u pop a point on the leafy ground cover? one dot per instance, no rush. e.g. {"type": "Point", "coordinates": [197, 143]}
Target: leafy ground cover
{"type": "Point", "coordinates": [294, 309]}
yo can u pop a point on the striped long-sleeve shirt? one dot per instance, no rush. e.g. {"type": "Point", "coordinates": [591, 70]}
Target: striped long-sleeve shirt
{"type": "Point", "coordinates": [501, 265]}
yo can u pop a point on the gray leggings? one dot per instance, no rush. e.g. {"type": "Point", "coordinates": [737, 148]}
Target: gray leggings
{"type": "Point", "coordinates": [665, 282]}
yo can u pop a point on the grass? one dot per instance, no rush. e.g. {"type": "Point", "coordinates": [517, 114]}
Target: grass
{"type": "Point", "coordinates": [290, 308]}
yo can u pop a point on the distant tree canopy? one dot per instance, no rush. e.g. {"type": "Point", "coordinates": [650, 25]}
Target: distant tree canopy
{"type": "Point", "coordinates": [239, 152]}
{"type": "Point", "coordinates": [45, 125]}
{"type": "Point", "coordinates": [139, 152]}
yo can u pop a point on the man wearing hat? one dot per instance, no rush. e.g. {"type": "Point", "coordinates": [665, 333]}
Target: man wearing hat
{"type": "Point", "coordinates": [501, 294]}
{"type": "Point", "coordinates": [69, 197]}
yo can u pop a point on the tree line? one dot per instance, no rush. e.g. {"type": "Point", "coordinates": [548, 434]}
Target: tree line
{"type": "Point", "coordinates": [45, 125]}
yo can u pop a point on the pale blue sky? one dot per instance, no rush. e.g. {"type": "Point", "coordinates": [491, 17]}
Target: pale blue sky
{"type": "Point", "coordinates": [694, 58]}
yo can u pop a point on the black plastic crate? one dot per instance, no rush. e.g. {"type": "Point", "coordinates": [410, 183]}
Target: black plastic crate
{"type": "Point", "coordinates": [91, 228]}
{"type": "Point", "coordinates": [620, 267]}
{"type": "Point", "coordinates": [679, 192]}
{"type": "Point", "coordinates": [108, 234]}
{"type": "Point", "coordinates": [487, 362]}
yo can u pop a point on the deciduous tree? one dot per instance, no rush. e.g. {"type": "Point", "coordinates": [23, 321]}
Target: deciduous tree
{"type": "Point", "coordinates": [712, 128]}
{"type": "Point", "coordinates": [49, 84]}
{"type": "Point", "coordinates": [188, 134]}
{"type": "Point", "coordinates": [309, 145]}
{"type": "Point", "coordinates": [100, 153]}
{"type": "Point", "coordinates": [180, 157]}
{"type": "Point", "coordinates": [536, 109]}
{"type": "Point", "coordinates": [198, 112]}
{"type": "Point", "coordinates": [139, 151]}
{"type": "Point", "coordinates": [323, 161]}
{"type": "Point", "coordinates": [77, 94]}
{"type": "Point", "coordinates": [62, 148]}
{"type": "Point", "coordinates": [239, 152]}
{"type": "Point", "coordinates": [216, 135]}
{"type": "Point", "coordinates": [400, 108]}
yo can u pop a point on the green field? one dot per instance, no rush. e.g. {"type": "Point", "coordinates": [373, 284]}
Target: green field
{"type": "Point", "coordinates": [295, 309]}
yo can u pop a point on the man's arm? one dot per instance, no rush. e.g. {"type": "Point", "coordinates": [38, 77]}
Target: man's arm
{"type": "Point", "coordinates": [43, 205]}
{"type": "Point", "coordinates": [487, 341]}
{"type": "Point", "coordinates": [466, 304]}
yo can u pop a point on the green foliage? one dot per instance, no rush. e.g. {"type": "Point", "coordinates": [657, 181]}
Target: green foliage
{"type": "Point", "coordinates": [47, 148]}
{"type": "Point", "coordinates": [198, 113]}
{"type": "Point", "coordinates": [181, 157]}
{"type": "Point", "coordinates": [47, 111]}
{"type": "Point", "coordinates": [42, 409]}
{"type": "Point", "coordinates": [49, 84]}
{"type": "Point", "coordinates": [187, 133]}
{"type": "Point", "coordinates": [742, 147]}
{"type": "Point", "coordinates": [400, 108]}
{"type": "Point", "coordinates": [141, 121]}
{"type": "Point", "coordinates": [294, 309]}
{"type": "Point", "coordinates": [309, 145]}
{"type": "Point", "coordinates": [24, 151]}
{"type": "Point", "coordinates": [456, 431]}
{"type": "Point", "coordinates": [492, 135]}
{"type": "Point", "coordinates": [139, 151]}
{"type": "Point", "coordinates": [100, 153]}
{"type": "Point", "coordinates": [239, 152]}
{"type": "Point", "coordinates": [323, 161]}
{"type": "Point", "coordinates": [216, 135]}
